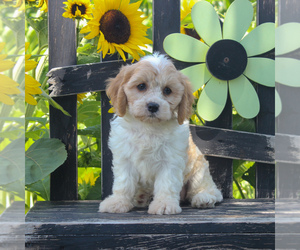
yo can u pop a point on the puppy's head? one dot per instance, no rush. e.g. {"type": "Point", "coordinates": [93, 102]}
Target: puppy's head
{"type": "Point", "coordinates": [151, 90]}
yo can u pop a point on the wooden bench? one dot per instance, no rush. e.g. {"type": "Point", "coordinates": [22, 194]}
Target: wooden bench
{"type": "Point", "coordinates": [67, 223]}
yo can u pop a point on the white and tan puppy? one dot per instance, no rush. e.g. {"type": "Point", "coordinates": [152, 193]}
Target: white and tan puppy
{"type": "Point", "coordinates": [154, 157]}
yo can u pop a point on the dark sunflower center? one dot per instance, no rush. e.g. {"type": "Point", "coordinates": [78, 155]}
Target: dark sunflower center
{"type": "Point", "coordinates": [82, 9]}
{"type": "Point", "coordinates": [226, 59]}
{"type": "Point", "coordinates": [115, 27]}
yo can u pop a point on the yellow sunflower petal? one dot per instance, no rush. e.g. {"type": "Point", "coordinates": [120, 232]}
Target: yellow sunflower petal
{"type": "Point", "coordinates": [5, 65]}
{"type": "Point", "coordinates": [30, 99]}
{"type": "Point", "coordinates": [120, 51]}
{"type": "Point", "coordinates": [30, 64]}
{"type": "Point", "coordinates": [6, 99]}
{"type": "Point", "coordinates": [2, 44]}
{"type": "Point", "coordinates": [26, 46]}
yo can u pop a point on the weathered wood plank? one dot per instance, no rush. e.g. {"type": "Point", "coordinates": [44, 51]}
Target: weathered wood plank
{"type": "Point", "coordinates": [76, 79]}
{"type": "Point", "coordinates": [63, 179]}
{"type": "Point", "coordinates": [234, 144]}
{"type": "Point", "coordinates": [12, 227]}
{"type": "Point", "coordinates": [265, 121]}
{"type": "Point", "coordinates": [154, 241]}
{"type": "Point", "coordinates": [287, 148]}
{"type": "Point", "coordinates": [245, 215]}
{"type": "Point", "coordinates": [72, 222]}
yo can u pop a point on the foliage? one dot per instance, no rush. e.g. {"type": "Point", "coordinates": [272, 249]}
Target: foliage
{"type": "Point", "coordinates": [35, 121]}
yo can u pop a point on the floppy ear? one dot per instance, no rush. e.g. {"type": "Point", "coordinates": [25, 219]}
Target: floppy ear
{"type": "Point", "coordinates": [115, 90]}
{"type": "Point", "coordinates": [185, 106]}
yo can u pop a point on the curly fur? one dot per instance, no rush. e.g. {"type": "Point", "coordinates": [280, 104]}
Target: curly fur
{"type": "Point", "coordinates": [154, 157]}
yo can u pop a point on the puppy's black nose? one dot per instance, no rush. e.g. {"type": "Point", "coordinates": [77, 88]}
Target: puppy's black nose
{"type": "Point", "coordinates": [153, 107]}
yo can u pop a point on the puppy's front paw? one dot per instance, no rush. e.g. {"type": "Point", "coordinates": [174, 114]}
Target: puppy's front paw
{"type": "Point", "coordinates": [164, 207]}
{"type": "Point", "coordinates": [115, 204]}
{"type": "Point", "coordinates": [204, 200]}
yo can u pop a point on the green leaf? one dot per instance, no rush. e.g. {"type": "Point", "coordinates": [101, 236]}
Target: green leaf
{"type": "Point", "coordinates": [39, 24]}
{"type": "Point", "coordinates": [241, 124]}
{"type": "Point", "coordinates": [89, 113]}
{"type": "Point", "coordinates": [13, 134]}
{"type": "Point", "coordinates": [249, 175]}
{"type": "Point", "coordinates": [40, 120]}
{"type": "Point", "coordinates": [94, 131]}
{"type": "Point", "coordinates": [12, 162]}
{"type": "Point", "coordinates": [42, 158]}
{"type": "Point", "coordinates": [35, 135]}
{"type": "Point", "coordinates": [187, 22]}
{"type": "Point", "coordinates": [54, 103]}
{"type": "Point", "coordinates": [95, 192]}
{"type": "Point", "coordinates": [41, 188]}
{"type": "Point", "coordinates": [16, 187]}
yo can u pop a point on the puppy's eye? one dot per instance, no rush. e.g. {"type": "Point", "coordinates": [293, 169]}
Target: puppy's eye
{"type": "Point", "coordinates": [142, 87]}
{"type": "Point", "coordinates": [167, 91]}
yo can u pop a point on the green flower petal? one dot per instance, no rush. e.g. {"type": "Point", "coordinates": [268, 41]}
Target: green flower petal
{"type": "Point", "coordinates": [237, 20]}
{"type": "Point", "coordinates": [212, 99]}
{"type": "Point", "coordinates": [206, 22]}
{"type": "Point", "coordinates": [278, 104]}
{"type": "Point", "coordinates": [244, 97]}
{"type": "Point", "coordinates": [260, 40]}
{"type": "Point", "coordinates": [198, 75]}
{"type": "Point", "coordinates": [185, 48]}
{"type": "Point", "coordinates": [261, 70]}
{"type": "Point", "coordinates": [287, 38]}
{"type": "Point", "coordinates": [287, 71]}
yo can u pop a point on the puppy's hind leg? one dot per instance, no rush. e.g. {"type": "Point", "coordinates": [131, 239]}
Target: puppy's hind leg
{"type": "Point", "coordinates": [202, 191]}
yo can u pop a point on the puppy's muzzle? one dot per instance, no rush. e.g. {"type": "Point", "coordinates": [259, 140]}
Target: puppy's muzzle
{"type": "Point", "coordinates": [152, 107]}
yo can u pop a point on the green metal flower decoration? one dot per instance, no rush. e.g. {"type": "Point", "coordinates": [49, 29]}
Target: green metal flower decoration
{"type": "Point", "coordinates": [227, 58]}
{"type": "Point", "coordinates": [287, 68]}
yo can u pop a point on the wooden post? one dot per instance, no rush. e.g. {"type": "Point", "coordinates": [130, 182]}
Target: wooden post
{"type": "Point", "coordinates": [166, 20]}
{"type": "Point", "coordinates": [62, 52]}
{"type": "Point", "coordinates": [265, 122]}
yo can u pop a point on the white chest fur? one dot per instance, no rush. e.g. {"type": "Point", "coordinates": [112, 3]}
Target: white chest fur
{"type": "Point", "coordinates": [147, 149]}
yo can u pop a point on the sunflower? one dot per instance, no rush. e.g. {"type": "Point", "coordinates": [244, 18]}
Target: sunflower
{"type": "Point", "coordinates": [43, 4]}
{"type": "Point", "coordinates": [120, 27]}
{"type": "Point", "coordinates": [88, 178]}
{"type": "Point", "coordinates": [20, 4]}
{"type": "Point", "coordinates": [80, 97]}
{"type": "Point", "coordinates": [78, 9]}
{"type": "Point", "coordinates": [32, 86]}
{"type": "Point", "coordinates": [227, 58]}
{"type": "Point", "coordinates": [7, 85]}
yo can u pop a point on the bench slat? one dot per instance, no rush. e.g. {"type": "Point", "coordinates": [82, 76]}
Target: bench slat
{"type": "Point", "coordinates": [234, 144]}
{"type": "Point", "coordinates": [73, 222]}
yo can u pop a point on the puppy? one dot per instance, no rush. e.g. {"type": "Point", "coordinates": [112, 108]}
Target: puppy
{"type": "Point", "coordinates": [154, 157]}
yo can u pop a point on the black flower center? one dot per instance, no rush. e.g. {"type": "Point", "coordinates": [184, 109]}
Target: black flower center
{"type": "Point", "coordinates": [226, 59]}
{"type": "Point", "coordinates": [115, 27]}
{"type": "Point", "coordinates": [82, 9]}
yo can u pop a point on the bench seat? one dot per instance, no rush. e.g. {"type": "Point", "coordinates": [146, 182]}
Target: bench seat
{"type": "Point", "coordinates": [78, 225]}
